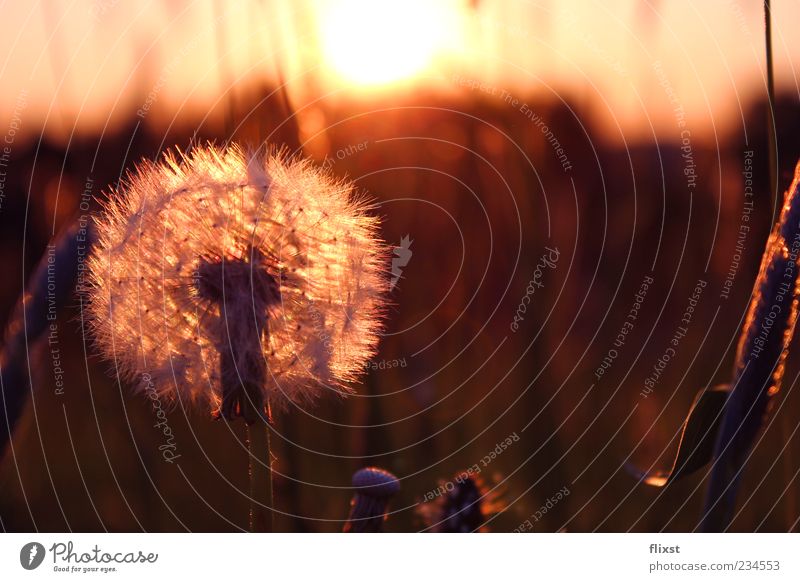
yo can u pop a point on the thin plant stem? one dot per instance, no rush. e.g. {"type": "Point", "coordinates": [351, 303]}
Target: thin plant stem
{"type": "Point", "coordinates": [772, 151]}
{"type": "Point", "coordinates": [260, 476]}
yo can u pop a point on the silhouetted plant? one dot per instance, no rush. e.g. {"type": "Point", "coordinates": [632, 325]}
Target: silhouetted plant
{"type": "Point", "coordinates": [243, 283]}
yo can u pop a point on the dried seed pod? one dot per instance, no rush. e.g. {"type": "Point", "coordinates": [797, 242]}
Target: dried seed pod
{"type": "Point", "coordinates": [374, 488]}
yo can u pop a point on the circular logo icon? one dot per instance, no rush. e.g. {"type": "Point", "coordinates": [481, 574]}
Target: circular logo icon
{"type": "Point", "coordinates": [31, 555]}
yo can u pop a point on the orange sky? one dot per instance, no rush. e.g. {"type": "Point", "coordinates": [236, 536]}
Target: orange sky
{"type": "Point", "coordinates": [84, 65]}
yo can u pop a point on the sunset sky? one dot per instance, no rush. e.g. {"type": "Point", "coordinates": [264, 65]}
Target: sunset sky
{"type": "Point", "coordinates": [85, 65]}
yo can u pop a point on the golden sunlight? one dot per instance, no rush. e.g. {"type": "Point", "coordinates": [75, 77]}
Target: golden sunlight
{"type": "Point", "coordinates": [378, 42]}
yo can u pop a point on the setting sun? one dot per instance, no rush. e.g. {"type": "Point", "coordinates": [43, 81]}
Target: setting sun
{"type": "Point", "coordinates": [370, 43]}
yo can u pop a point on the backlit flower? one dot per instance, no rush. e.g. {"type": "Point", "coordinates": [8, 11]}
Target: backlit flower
{"type": "Point", "coordinates": [223, 278]}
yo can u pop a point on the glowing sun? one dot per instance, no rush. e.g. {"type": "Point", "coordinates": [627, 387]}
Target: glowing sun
{"type": "Point", "coordinates": [376, 42]}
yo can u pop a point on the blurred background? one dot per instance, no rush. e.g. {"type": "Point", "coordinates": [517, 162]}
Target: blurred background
{"type": "Point", "coordinates": [629, 136]}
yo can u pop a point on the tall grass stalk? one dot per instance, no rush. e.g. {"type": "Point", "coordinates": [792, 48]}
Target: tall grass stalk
{"type": "Point", "coordinates": [765, 338]}
{"type": "Point", "coordinates": [50, 288]}
{"type": "Point", "coordinates": [760, 361]}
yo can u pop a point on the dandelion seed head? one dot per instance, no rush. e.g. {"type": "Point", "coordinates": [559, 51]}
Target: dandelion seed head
{"type": "Point", "coordinates": [208, 249]}
{"type": "Point", "coordinates": [375, 482]}
{"type": "Point", "coordinates": [374, 488]}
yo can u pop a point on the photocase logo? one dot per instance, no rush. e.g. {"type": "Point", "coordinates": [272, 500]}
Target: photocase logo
{"type": "Point", "coordinates": [401, 257]}
{"type": "Point", "coordinates": [31, 555]}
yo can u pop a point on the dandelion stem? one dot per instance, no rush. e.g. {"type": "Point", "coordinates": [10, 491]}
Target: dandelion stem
{"type": "Point", "coordinates": [239, 285]}
{"type": "Point", "coordinates": [260, 477]}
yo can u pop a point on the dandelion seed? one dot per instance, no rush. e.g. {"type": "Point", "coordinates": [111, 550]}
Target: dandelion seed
{"type": "Point", "coordinates": [232, 279]}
